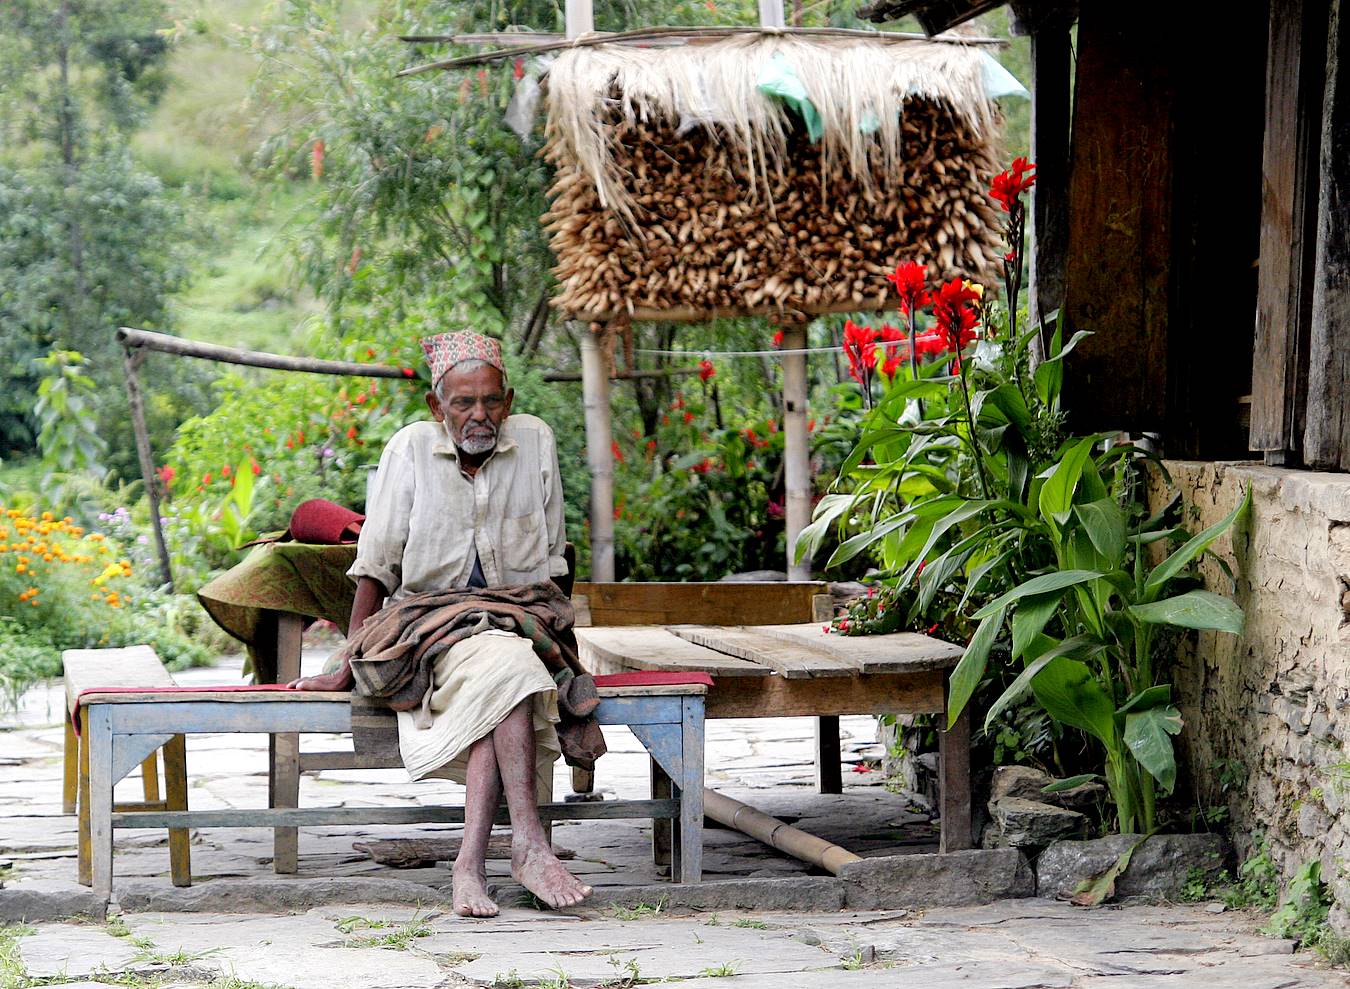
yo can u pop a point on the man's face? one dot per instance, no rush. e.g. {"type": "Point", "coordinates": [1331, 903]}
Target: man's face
{"type": "Point", "coordinates": [473, 404]}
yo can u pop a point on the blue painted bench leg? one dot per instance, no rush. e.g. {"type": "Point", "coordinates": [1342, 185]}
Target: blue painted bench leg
{"type": "Point", "coordinates": [691, 793]}
{"type": "Point", "coordinates": [98, 726]}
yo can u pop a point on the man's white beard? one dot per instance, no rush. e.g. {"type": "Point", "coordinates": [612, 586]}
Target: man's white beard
{"type": "Point", "coordinates": [481, 440]}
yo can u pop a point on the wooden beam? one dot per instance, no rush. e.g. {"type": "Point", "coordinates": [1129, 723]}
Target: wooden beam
{"type": "Point", "coordinates": [1117, 274]}
{"type": "Point", "coordinates": [699, 603]}
{"type": "Point", "coordinates": [1051, 85]}
{"type": "Point", "coordinates": [599, 454]}
{"type": "Point", "coordinates": [167, 344]}
{"type": "Point", "coordinates": [646, 37]}
{"type": "Point", "coordinates": [1288, 229]}
{"type": "Point", "coordinates": [131, 361]}
{"type": "Point", "coordinates": [881, 302]}
{"type": "Point", "coordinates": [796, 448]}
{"type": "Point", "coordinates": [1327, 439]}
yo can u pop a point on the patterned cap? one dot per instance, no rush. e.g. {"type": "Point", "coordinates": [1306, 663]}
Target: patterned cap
{"type": "Point", "coordinates": [445, 350]}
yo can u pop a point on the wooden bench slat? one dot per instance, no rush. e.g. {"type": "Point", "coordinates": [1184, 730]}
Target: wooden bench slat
{"type": "Point", "coordinates": [228, 696]}
{"type": "Point", "coordinates": [132, 666]}
{"type": "Point", "coordinates": [897, 652]}
{"type": "Point", "coordinates": [633, 647]}
{"type": "Point", "coordinates": [793, 659]}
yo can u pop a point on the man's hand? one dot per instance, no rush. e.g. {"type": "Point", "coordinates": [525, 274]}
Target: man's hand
{"type": "Point", "coordinates": [339, 679]}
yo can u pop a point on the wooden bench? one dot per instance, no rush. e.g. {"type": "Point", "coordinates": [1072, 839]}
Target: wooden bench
{"type": "Point", "coordinates": [135, 666]}
{"type": "Point", "coordinates": [122, 727]}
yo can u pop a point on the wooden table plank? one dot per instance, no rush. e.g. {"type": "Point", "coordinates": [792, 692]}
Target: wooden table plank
{"type": "Point", "coordinates": [794, 659]}
{"type": "Point", "coordinates": [778, 697]}
{"type": "Point", "coordinates": [699, 603]}
{"type": "Point", "coordinates": [898, 652]}
{"type": "Point", "coordinates": [650, 647]}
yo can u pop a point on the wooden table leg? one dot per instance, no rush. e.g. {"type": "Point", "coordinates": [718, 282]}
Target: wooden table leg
{"type": "Point", "coordinates": [70, 769]}
{"type": "Point", "coordinates": [954, 781]}
{"type": "Point", "coordinates": [829, 775]}
{"type": "Point", "coordinates": [99, 787]}
{"type": "Point", "coordinates": [284, 749]}
{"type": "Point", "coordinates": [85, 869]}
{"type": "Point", "coordinates": [691, 794]}
{"type": "Point", "coordinates": [150, 778]}
{"type": "Point", "coordinates": [662, 789]}
{"type": "Point", "coordinates": [175, 791]}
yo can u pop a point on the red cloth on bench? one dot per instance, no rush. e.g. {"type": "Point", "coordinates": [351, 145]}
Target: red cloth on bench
{"type": "Point", "coordinates": [651, 678]}
{"type": "Point", "coordinates": [241, 688]}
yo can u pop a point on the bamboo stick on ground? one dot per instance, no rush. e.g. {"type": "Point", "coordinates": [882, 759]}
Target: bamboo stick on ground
{"type": "Point", "coordinates": [775, 833]}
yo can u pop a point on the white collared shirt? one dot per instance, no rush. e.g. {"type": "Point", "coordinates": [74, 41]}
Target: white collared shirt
{"type": "Point", "coordinates": [425, 519]}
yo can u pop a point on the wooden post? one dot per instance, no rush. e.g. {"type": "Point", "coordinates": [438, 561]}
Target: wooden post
{"type": "Point", "coordinates": [771, 13]}
{"type": "Point", "coordinates": [132, 361]}
{"type": "Point", "coordinates": [796, 449]}
{"type": "Point", "coordinates": [580, 18]}
{"type": "Point", "coordinates": [1050, 115]}
{"type": "Point", "coordinates": [1327, 438]}
{"type": "Point", "coordinates": [1288, 231]}
{"type": "Point", "coordinates": [599, 453]}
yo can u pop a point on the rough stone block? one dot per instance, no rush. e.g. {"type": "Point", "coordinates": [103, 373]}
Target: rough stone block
{"type": "Point", "coordinates": [1023, 823]}
{"type": "Point", "coordinates": [1158, 868]}
{"type": "Point", "coordinates": [48, 899]}
{"type": "Point", "coordinates": [258, 895]}
{"type": "Point", "coordinates": [954, 879]}
{"type": "Point", "coordinates": [1291, 714]}
{"type": "Point", "coordinates": [807, 893]}
{"type": "Point", "coordinates": [1029, 784]}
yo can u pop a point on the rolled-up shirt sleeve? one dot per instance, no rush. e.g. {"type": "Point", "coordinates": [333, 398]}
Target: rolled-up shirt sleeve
{"type": "Point", "coordinates": [553, 507]}
{"type": "Point", "coordinates": [384, 536]}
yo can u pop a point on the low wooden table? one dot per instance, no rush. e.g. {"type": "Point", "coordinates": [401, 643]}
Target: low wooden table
{"type": "Point", "coordinates": [771, 671]}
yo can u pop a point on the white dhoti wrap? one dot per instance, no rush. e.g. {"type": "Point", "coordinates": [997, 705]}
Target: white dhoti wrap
{"type": "Point", "coordinates": [476, 684]}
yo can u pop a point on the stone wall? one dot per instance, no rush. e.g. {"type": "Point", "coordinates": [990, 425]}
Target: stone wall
{"type": "Point", "coordinates": [1268, 715]}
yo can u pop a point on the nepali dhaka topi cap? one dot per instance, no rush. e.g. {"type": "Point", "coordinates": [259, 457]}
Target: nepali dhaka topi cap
{"type": "Point", "coordinates": [445, 350]}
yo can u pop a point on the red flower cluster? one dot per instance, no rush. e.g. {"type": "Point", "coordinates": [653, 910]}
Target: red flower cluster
{"type": "Point", "coordinates": [706, 369]}
{"type": "Point", "coordinates": [909, 280]}
{"type": "Point", "coordinates": [1008, 186]}
{"type": "Point", "coordinates": [778, 339]}
{"type": "Point", "coordinates": [956, 320]}
{"type": "Point", "coordinates": [860, 347]}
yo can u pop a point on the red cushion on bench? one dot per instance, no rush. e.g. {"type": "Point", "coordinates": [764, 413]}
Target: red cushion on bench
{"type": "Point", "coordinates": [651, 678]}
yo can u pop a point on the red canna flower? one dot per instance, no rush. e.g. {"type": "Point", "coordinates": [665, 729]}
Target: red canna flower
{"type": "Point", "coordinates": [651, 446]}
{"type": "Point", "coordinates": [351, 432]}
{"type": "Point", "coordinates": [956, 320]}
{"type": "Point", "coordinates": [518, 69]}
{"type": "Point", "coordinates": [706, 369]}
{"type": "Point", "coordinates": [166, 474]}
{"type": "Point", "coordinates": [256, 469]}
{"type": "Point", "coordinates": [909, 280]}
{"type": "Point", "coordinates": [206, 478]}
{"type": "Point", "coordinates": [614, 449]}
{"type": "Point", "coordinates": [483, 82]}
{"type": "Point", "coordinates": [1008, 186]}
{"type": "Point", "coordinates": [778, 339]}
{"type": "Point", "coordinates": [225, 471]}
{"type": "Point", "coordinates": [688, 418]}
{"type": "Point", "coordinates": [861, 350]}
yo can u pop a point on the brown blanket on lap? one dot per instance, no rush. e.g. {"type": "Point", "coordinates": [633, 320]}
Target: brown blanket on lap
{"type": "Point", "coordinates": [393, 656]}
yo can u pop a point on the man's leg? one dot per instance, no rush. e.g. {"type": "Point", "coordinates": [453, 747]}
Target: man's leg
{"type": "Point", "coordinates": [483, 786]}
{"type": "Point", "coordinates": [532, 860]}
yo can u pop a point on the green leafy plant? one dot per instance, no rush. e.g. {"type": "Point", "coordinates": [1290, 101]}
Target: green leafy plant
{"type": "Point", "coordinates": [965, 489]}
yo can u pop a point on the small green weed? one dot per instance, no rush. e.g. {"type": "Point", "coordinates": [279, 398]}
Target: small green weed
{"type": "Point", "coordinates": [757, 925]}
{"type": "Point", "coordinates": [854, 962]}
{"type": "Point", "coordinates": [725, 970]}
{"type": "Point", "coordinates": [626, 973]}
{"type": "Point", "coordinates": [1196, 886]}
{"type": "Point", "coordinates": [1303, 914]}
{"type": "Point", "coordinates": [511, 980]}
{"type": "Point", "coordinates": [640, 911]}
{"type": "Point", "coordinates": [559, 979]}
{"type": "Point", "coordinates": [453, 958]}
{"type": "Point", "coordinates": [397, 937]}
{"type": "Point", "coordinates": [117, 927]}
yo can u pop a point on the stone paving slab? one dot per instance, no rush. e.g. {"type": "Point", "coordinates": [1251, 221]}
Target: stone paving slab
{"type": "Point", "coordinates": [75, 951]}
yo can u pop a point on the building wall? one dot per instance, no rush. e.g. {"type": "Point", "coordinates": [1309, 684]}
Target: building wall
{"type": "Point", "coordinates": [1268, 715]}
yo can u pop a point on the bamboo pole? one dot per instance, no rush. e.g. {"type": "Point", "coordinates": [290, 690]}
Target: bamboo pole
{"type": "Point", "coordinates": [131, 361]}
{"type": "Point", "coordinates": [776, 834]}
{"type": "Point", "coordinates": [580, 18]}
{"type": "Point", "coordinates": [599, 454]}
{"type": "Point", "coordinates": [691, 34]}
{"type": "Point", "coordinates": [164, 343]}
{"type": "Point", "coordinates": [771, 14]}
{"type": "Point", "coordinates": [796, 451]}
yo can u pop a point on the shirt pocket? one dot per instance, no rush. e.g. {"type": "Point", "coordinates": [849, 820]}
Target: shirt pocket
{"type": "Point", "coordinates": [524, 543]}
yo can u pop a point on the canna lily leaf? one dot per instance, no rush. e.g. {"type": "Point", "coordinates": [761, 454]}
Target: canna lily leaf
{"type": "Point", "coordinates": [1057, 492]}
{"type": "Point", "coordinates": [1150, 697]}
{"type": "Point", "coordinates": [1068, 692]}
{"type": "Point", "coordinates": [1029, 620]}
{"type": "Point", "coordinates": [1059, 786]}
{"type": "Point", "coordinates": [1147, 736]}
{"type": "Point", "coordinates": [1055, 581]}
{"type": "Point", "coordinates": [968, 673]}
{"type": "Point", "coordinates": [1028, 676]}
{"type": "Point", "coordinates": [1179, 560]}
{"type": "Point", "coordinates": [1194, 609]}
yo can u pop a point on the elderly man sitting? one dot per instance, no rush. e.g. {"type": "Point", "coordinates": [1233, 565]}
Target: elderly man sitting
{"type": "Point", "coordinates": [470, 501]}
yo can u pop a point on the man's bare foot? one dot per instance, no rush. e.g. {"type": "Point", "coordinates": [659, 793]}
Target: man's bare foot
{"type": "Point", "coordinates": [339, 679]}
{"type": "Point", "coordinates": [470, 893]}
{"type": "Point", "coordinates": [537, 869]}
